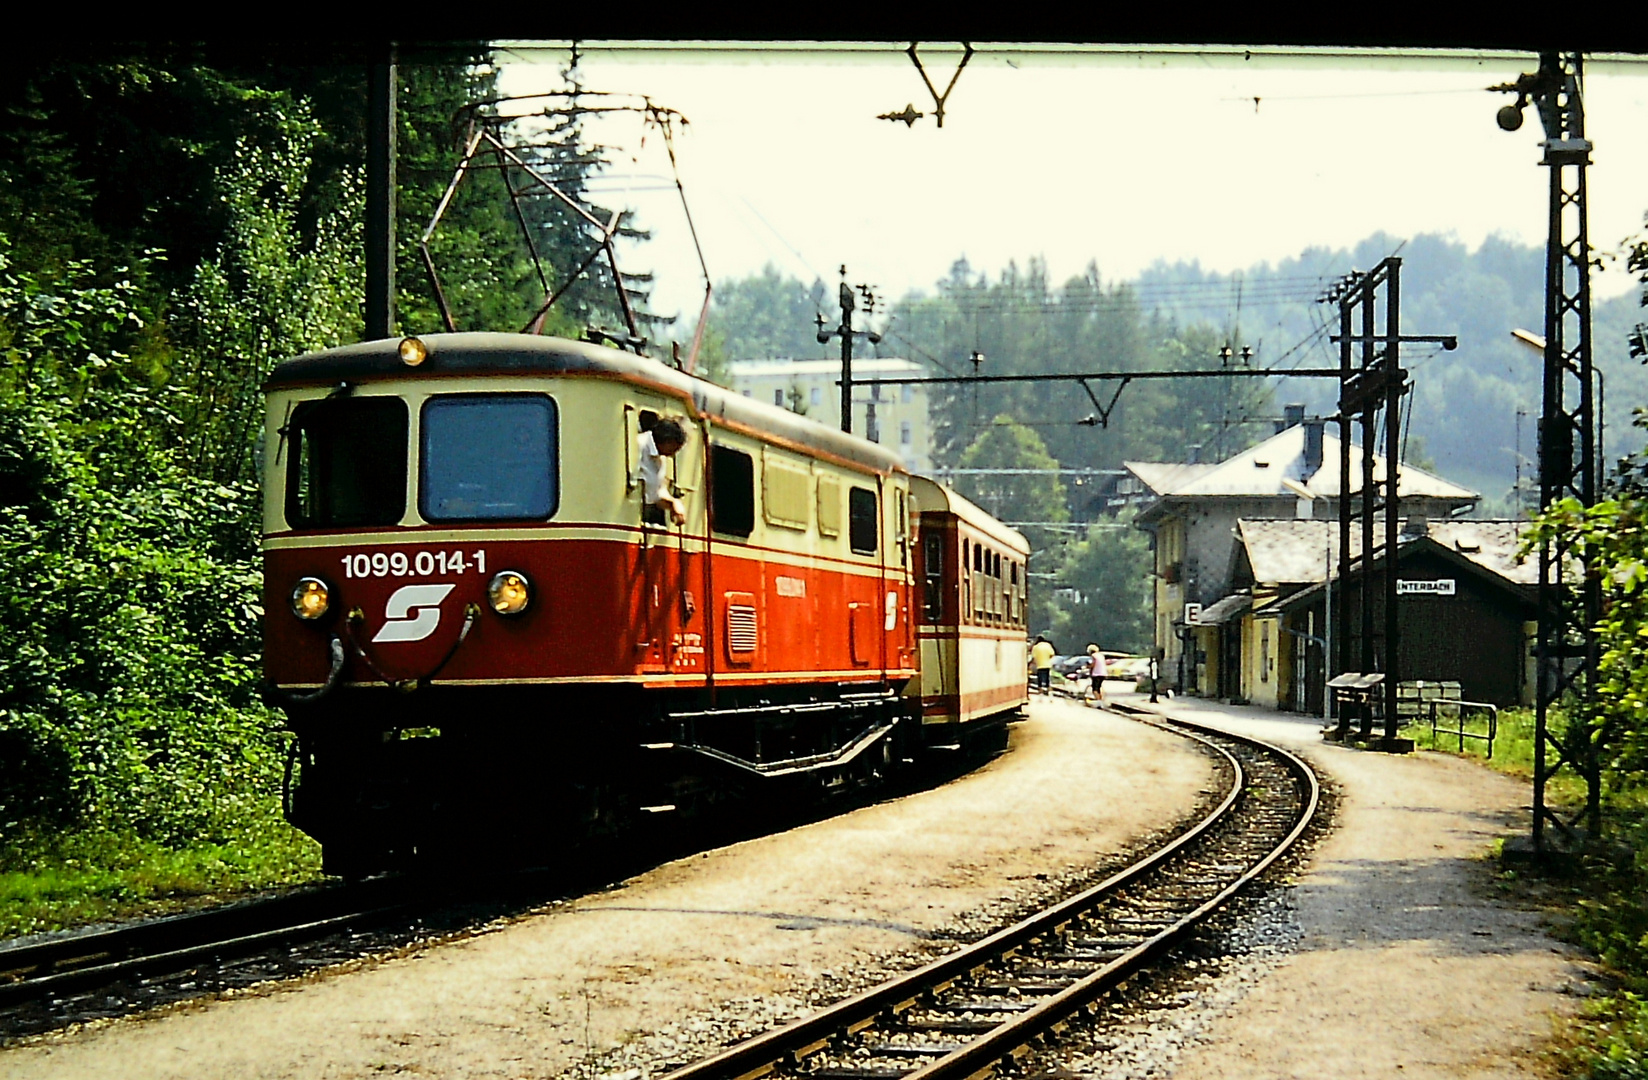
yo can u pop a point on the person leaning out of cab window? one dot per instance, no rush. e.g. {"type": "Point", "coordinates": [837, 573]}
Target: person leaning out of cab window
{"type": "Point", "coordinates": [662, 441]}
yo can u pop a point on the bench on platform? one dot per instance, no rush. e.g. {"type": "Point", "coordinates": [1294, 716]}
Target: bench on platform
{"type": "Point", "coordinates": [1357, 696]}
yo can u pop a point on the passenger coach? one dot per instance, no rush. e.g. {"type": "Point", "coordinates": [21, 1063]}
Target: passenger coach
{"type": "Point", "coordinates": [974, 617]}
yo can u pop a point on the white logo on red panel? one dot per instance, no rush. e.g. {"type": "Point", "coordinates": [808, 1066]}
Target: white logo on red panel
{"type": "Point", "coordinates": [412, 613]}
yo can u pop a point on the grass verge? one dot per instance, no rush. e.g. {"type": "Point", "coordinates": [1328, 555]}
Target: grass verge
{"type": "Point", "coordinates": [56, 881]}
{"type": "Point", "coordinates": [1603, 901]}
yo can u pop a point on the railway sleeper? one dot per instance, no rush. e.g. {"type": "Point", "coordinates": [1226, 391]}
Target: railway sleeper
{"type": "Point", "coordinates": [914, 1049]}
{"type": "Point", "coordinates": [955, 1027]}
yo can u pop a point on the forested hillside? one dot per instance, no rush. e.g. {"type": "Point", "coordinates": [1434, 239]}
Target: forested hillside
{"type": "Point", "coordinates": [1462, 421]}
{"type": "Point", "coordinates": [1464, 411]}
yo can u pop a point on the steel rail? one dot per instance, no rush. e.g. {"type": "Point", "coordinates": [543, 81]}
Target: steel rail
{"type": "Point", "coordinates": [980, 1056]}
{"type": "Point", "coordinates": [36, 969]}
{"type": "Point", "coordinates": [792, 1043]}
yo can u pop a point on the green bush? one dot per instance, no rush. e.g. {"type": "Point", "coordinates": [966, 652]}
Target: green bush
{"type": "Point", "coordinates": [131, 597]}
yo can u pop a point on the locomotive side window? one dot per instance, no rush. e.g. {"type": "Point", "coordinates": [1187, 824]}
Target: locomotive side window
{"type": "Point", "coordinates": [862, 523]}
{"type": "Point", "coordinates": [347, 463]}
{"type": "Point", "coordinates": [732, 507]}
{"type": "Point", "coordinates": [489, 457]}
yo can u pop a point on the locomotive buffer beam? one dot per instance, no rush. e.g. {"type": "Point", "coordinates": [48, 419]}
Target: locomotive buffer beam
{"type": "Point", "coordinates": [772, 770]}
{"type": "Point", "coordinates": [877, 727]}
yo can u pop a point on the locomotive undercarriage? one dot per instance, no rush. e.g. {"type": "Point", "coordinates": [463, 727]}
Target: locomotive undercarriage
{"type": "Point", "coordinates": [498, 775]}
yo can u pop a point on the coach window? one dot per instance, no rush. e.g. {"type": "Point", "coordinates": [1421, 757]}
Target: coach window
{"type": "Point", "coordinates": [1024, 595]}
{"type": "Point", "coordinates": [862, 520]}
{"type": "Point", "coordinates": [488, 457]}
{"type": "Point", "coordinates": [1008, 584]}
{"type": "Point", "coordinates": [965, 580]}
{"type": "Point", "coordinates": [987, 602]}
{"type": "Point", "coordinates": [980, 601]}
{"type": "Point", "coordinates": [732, 506]}
{"type": "Point", "coordinates": [346, 462]}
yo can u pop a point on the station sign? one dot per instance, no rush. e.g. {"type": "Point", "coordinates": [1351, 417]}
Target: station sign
{"type": "Point", "coordinates": [1430, 587]}
{"type": "Point", "coordinates": [1193, 615]}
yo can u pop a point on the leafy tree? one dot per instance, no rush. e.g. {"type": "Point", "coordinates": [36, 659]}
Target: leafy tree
{"type": "Point", "coordinates": [1009, 444]}
{"type": "Point", "coordinates": [768, 315]}
{"type": "Point", "coordinates": [265, 294]}
{"type": "Point", "coordinates": [1018, 498]}
{"type": "Point", "coordinates": [1022, 325]}
{"type": "Point", "coordinates": [1102, 589]}
{"type": "Point", "coordinates": [130, 603]}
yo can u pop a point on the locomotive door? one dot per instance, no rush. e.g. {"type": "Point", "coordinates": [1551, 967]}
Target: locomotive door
{"type": "Point", "coordinates": [897, 638]}
{"type": "Point", "coordinates": [904, 524]}
{"type": "Point", "coordinates": [661, 594]}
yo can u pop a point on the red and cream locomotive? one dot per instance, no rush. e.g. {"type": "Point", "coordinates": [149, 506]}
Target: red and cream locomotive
{"type": "Point", "coordinates": [486, 644]}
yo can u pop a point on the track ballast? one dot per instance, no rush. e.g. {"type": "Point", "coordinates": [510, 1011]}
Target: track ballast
{"type": "Point", "coordinates": [971, 1012]}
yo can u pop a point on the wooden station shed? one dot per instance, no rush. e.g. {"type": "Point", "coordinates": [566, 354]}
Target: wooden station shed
{"type": "Point", "coordinates": [1466, 611]}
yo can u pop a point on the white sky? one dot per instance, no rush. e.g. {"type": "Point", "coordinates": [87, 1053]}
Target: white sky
{"type": "Point", "coordinates": [1121, 158]}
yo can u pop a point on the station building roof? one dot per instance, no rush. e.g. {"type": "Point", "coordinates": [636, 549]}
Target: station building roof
{"type": "Point", "coordinates": [1279, 468]}
{"type": "Point", "coordinates": [1296, 552]}
{"type": "Point", "coordinates": [1485, 548]}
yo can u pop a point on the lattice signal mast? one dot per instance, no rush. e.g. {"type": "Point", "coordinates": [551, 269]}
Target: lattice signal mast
{"type": "Point", "coordinates": [1570, 594]}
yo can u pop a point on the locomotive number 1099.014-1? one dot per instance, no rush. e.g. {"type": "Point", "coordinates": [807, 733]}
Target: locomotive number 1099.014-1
{"type": "Point", "coordinates": [417, 564]}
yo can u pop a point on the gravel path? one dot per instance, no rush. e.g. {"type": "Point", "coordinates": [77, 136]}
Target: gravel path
{"type": "Point", "coordinates": [674, 962]}
{"type": "Point", "coordinates": [1387, 959]}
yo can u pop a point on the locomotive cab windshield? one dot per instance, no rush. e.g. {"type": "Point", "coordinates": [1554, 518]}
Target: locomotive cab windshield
{"type": "Point", "coordinates": [488, 457]}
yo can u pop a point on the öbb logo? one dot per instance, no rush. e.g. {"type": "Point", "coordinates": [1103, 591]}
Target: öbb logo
{"type": "Point", "coordinates": [412, 613]}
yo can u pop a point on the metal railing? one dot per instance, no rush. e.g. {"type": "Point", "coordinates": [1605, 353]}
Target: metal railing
{"type": "Point", "coordinates": [1460, 708]}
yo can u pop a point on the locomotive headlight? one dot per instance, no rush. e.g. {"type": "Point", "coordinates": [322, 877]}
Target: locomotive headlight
{"type": "Point", "coordinates": [412, 351]}
{"type": "Point", "coordinates": [311, 599]}
{"type": "Point", "coordinates": [509, 593]}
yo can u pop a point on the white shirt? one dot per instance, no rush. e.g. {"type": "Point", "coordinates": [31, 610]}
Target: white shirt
{"type": "Point", "coordinates": [650, 470]}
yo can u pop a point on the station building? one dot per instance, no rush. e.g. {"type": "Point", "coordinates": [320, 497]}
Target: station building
{"type": "Point", "coordinates": [894, 416]}
{"type": "Point", "coordinates": [1194, 510]}
{"type": "Point", "coordinates": [1466, 612]}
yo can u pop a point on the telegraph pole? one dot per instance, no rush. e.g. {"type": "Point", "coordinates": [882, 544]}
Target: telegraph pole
{"type": "Point", "coordinates": [379, 308]}
{"type": "Point", "coordinates": [845, 332]}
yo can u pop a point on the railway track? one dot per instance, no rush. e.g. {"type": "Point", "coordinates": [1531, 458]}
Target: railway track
{"type": "Point", "coordinates": [967, 1014]}
{"type": "Point", "coordinates": [48, 983]}
{"type": "Point", "coordinates": [127, 960]}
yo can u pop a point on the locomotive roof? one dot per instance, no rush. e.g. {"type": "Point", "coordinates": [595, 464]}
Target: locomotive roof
{"type": "Point", "coordinates": [469, 354]}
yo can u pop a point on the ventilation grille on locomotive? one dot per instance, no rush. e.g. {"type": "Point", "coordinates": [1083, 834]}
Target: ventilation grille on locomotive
{"type": "Point", "coordinates": [741, 635]}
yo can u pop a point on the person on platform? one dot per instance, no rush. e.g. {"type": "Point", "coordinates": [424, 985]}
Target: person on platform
{"type": "Point", "coordinates": [662, 441]}
{"type": "Point", "coordinates": [1097, 670]}
{"type": "Point", "coordinates": [1041, 660]}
